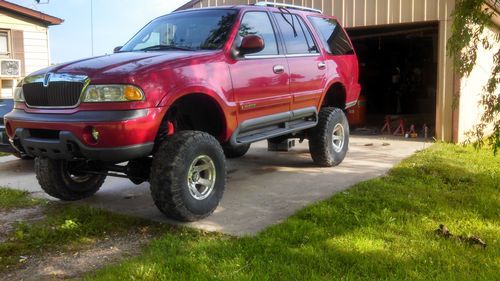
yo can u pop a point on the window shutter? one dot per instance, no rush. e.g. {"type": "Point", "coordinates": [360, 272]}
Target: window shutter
{"type": "Point", "coordinates": [18, 48]}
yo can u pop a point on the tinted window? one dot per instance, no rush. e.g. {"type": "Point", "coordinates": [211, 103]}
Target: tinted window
{"type": "Point", "coordinates": [258, 23]}
{"type": "Point", "coordinates": [297, 37]}
{"type": "Point", "coordinates": [332, 35]}
{"type": "Point", "coordinates": [196, 30]}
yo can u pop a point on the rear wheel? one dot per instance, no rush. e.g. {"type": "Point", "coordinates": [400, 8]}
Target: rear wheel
{"type": "Point", "coordinates": [235, 151]}
{"type": "Point", "coordinates": [61, 179]}
{"type": "Point", "coordinates": [329, 140]}
{"type": "Point", "coordinates": [188, 175]}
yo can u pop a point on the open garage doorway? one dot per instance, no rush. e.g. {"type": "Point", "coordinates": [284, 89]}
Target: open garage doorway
{"type": "Point", "coordinates": [398, 74]}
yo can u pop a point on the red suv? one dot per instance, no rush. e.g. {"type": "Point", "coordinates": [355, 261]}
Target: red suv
{"type": "Point", "coordinates": [188, 90]}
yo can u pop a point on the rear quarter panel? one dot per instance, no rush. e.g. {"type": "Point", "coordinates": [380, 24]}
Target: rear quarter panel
{"type": "Point", "coordinates": [341, 69]}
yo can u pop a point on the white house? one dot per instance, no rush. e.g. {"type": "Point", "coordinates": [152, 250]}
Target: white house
{"type": "Point", "coordinates": [24, 43]}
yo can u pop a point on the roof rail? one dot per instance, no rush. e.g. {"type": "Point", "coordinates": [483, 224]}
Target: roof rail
{"type": "Point", "coordinates": [289, 6]}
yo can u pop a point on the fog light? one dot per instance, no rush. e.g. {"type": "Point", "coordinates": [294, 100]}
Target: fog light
{"type": "Point", "coordinates": [95, 134]}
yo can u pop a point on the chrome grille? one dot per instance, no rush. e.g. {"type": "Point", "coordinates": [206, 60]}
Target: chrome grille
{"type": "Point", "coordinates": [56, 94]}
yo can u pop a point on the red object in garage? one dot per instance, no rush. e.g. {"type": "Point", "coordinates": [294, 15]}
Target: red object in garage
{"type": "Point", "coordinates": [357, 113]}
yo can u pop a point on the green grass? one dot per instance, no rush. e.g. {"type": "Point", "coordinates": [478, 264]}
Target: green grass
{"type": "Point", "coordinates": [4, 154]}
{"type": "Point", "coordinates": [380, 229]}
{"type": "Point", "coordinates": [14, 198]}
{"type": "Point", "coordinates": [63, 228]}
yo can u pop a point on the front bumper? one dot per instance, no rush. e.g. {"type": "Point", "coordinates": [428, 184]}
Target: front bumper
{"type": "Point", "coordinates": [4, 141]}
{"type": "Point", "coordinates": [68, 147]}
{"type": "Point", "coordinates": [123, 134]}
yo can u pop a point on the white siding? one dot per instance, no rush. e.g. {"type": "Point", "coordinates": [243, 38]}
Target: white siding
{"type": "Point", "coordinates": [471, 88]}
{"type": "Point", "coordinates": [36, 51]}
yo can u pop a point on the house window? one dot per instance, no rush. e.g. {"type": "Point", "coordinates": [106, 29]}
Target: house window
{"type": "Point", "coordinates": [4, 43]}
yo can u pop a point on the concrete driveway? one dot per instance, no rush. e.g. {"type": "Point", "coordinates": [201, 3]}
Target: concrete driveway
{"type": "Point", "coordinates": [263, 188]}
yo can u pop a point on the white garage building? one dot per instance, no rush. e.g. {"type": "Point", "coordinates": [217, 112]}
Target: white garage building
{"type": "Point", "coordinates": [409, 36]}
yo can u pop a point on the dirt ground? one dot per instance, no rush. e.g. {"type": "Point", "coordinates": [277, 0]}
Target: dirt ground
{"type": "Point", "coordinates": [65, 265]}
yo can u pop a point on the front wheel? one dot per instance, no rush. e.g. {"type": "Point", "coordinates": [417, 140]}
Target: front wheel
{"type": "Point", "coordinates": [61, 179]}
{"type": "Point", "coordinates": [329, 140]}
{"type": "Point", "coordinates": [188, 175]}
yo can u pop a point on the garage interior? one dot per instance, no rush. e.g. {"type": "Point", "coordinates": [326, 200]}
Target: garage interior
{"type": "Point", "coordinates": [398, 75]}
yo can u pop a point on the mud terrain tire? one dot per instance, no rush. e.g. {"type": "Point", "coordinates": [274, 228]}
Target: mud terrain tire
{"type": "Point", "coordinates": [329, 140]}
{"type": "Point", "coordinates": [188, 175]}
{"type": "Point", "coordinates": [55, 178]}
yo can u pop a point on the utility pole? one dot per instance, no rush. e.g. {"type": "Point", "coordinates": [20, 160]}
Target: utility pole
{"type": "Point", "coordinates": [92, 26]}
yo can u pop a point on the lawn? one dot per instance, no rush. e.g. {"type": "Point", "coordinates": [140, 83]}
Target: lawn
{"type": "Point", "coordinates": [379, 229]}
{"type": "Point", "coordinates": [4, 154]}
{"type": "Point", "coordinates": [63, 228]}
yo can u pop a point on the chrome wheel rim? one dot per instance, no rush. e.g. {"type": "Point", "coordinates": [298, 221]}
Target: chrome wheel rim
{"type": "Point", "coordinates": [338, 138]}
{"type": "Point", "coordinates": [201, 177]}
{"type": "Point", "coordinates": [78, 178]}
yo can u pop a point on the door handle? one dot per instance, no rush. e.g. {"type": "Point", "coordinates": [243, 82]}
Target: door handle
{"type": "Point", "coordinates": [278, 69]}
{"type": "Point", "coordinates": [321, 65]}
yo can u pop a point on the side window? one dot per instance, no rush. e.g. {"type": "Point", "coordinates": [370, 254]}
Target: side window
{"type": "Point", "coordinates": [258, 23]}
{"type": "Point", "coordinates": [333, 36]}
{"type": "Point", "coordinates": [4, 43]}
{"type": "Point", "coordinates": [297, 37]}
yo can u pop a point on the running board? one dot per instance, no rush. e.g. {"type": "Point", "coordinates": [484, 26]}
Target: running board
{"type": "Point", "coordinates": [275, 125]}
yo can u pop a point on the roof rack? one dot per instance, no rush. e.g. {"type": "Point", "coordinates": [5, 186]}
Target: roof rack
{"type": "Point", "coordinates": [288, 6]}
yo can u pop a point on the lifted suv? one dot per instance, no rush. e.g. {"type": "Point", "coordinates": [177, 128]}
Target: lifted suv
{"type": "Point", "coordinates": [190, 89]}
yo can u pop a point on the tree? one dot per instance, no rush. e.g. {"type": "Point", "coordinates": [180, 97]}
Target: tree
{"type": "Point", "coordinates": [470, 18]}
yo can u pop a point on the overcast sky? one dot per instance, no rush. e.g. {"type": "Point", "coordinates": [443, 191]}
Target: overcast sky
{"type": "Point", "coordinates": [115, 21]}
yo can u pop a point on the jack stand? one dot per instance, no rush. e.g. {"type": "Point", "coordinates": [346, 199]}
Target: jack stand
{"type": "Point", "coordinates": [412, 133]}
{"type": "Point", "coordinates": [400, 130]}
{"type": "Point", "coordinates": [284, 146]}
{"type": "Point", "coordinates": [425, 129]}
{"type": "Point", "coordinates": [387, 125]}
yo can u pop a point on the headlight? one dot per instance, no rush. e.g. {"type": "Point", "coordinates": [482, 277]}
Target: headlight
{"type": "Point", "coordinates": [112, 93]}
{"type": "Point", "coordinates": [19, 94]}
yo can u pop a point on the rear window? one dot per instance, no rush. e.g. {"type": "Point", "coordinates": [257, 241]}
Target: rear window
{"type": "Point", "coordinates": [297, 37]}
{"type": "Point", "coordinates": [333, 36]}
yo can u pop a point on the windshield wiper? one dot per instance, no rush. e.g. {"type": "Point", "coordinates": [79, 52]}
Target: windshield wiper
{"type": "Point", "coordinates": [166, 47]}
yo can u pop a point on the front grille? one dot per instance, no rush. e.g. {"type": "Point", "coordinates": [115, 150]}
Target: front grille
{"type": "Point", "coordinates": [57, 94]}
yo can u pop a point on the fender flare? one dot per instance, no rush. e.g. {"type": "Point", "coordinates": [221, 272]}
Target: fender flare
{"type": "Point", "coordinates": [227, 109]}
{"type": "Point", "coordinates": [330, 84]}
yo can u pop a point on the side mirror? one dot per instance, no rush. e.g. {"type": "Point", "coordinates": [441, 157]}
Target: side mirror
{"type": "Point", "coordinates": [117, 49]}
{"type": "Point", "coordinates": [251, 44]}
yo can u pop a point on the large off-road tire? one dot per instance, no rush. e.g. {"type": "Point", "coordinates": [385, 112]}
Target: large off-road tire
{"type": "Point", "coordinates": [235, 151]}
{"type": "Point", "coordinates": [329, 140]}
{"type": "Point", "coordinates": [58, 180]}
{"type": "Point", "coordinates": [188, 175]}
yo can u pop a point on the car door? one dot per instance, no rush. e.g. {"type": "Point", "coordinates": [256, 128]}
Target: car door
{"type": "Point", "coordinates": [307, 67]}
{"type": "Point", "coordinates": [260, 80]}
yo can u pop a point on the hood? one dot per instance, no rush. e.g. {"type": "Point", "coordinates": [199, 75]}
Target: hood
{"type": "Point", "coordinates": [126, 63]}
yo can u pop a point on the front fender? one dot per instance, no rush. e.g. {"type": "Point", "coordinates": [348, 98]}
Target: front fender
{"type": "Point", "coordinates": [227, 108]}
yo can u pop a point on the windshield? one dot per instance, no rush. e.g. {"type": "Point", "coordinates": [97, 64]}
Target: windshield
{"type": "Point", "coordinates": [195, 30]}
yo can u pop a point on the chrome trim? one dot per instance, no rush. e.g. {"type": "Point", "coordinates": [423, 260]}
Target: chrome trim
{"type": "Point", "coordinates": [284, 5]}
{"type": "Point", "coordinates": [55, 77]}
{"type": "Point", "coordinates": [46, 78]}
{"type": "Point", "coordinates": [302, 55]}
{"type": "Point", "coordinates": [351, 104]}
{"type": "Point", "coordinates": [250, 57]}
